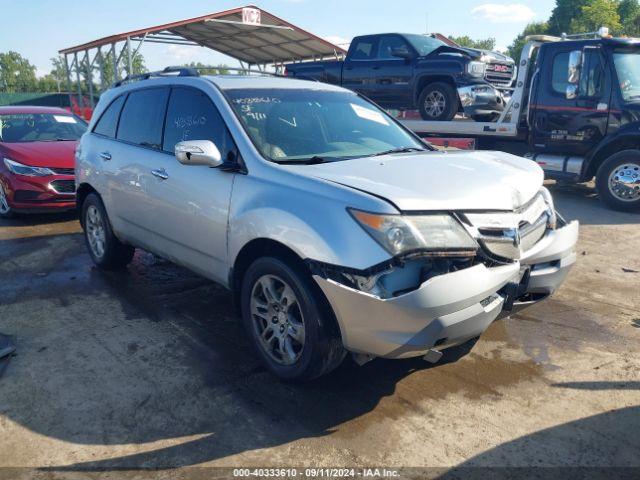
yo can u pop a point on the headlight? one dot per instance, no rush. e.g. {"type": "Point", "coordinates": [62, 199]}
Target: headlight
{"type": "Point", "coordinates": [548, 199]}
{"type": "Point", "coordinates": [401, 233]}
{"type": "Point", "coordinates": [20, 169]}
{"type": "Point", "coordinates": [476, 69]}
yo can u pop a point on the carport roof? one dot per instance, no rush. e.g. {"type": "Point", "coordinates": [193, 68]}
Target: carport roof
{"type": "Point", "coordinates": [248, 34]}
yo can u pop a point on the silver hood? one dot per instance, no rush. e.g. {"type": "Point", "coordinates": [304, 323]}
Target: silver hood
{"type": "Point", "coordinates": [478, 180]}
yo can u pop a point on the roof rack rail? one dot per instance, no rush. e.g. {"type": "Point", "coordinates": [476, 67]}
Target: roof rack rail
{"type": "Point", "coordinates": [188, 72]}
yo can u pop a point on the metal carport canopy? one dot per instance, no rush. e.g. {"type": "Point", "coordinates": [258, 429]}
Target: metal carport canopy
{"type": "Point", "coordinates": [248, 34]}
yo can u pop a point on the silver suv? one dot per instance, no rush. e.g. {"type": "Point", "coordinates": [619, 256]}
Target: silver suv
{"type": "Point", "coordinates": [336, 229]}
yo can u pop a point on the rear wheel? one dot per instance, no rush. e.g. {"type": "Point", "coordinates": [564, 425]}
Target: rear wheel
{"type": "Point", "coordinates": [290, 328]}
{"type": "Point", "coordinates": [106, 251]}
{"type": "Point", "coordinates": [5, 209]}
{"type": "Point", "coordinates": [618, 181]}
{"type": "Point", "coordinates": [438, 102]}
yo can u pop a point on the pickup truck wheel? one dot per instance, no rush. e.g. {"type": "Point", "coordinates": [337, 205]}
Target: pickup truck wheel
{"type": "Point", "coordinates": [438, 102]}
{"type": "Point", "coordinates": [618, 181]}
{"type": "Point", "coordinates": [106, 251]}
{"type": "Point", "coordinates": [286, 322]}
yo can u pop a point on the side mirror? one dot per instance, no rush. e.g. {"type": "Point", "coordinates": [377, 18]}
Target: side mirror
{"type": "Point", "coordinates": [401, 52]}
{"type": "Point", "coordinates": [198, 152]}
{"type": "Point", "coordinates": [575, 65]}
{"type": "Point", "coordinates": [571, 92]}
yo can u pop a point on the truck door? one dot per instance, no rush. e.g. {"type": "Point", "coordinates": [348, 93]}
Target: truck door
{"type": "Point", "coordinates": [357, 72]}
{"type": "Point", "coordinates": [393, 74]}
{"type": "Point", "coordinates": [565, 122]}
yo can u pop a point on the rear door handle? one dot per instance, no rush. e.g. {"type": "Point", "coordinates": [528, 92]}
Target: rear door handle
{"type": "Point", "coordinates": [105, 155]}
{"type": "Point", "coordinates": [160, 173]}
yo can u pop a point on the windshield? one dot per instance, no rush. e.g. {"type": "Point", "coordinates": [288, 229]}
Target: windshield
{"type": "Point", "coordinates": [628, 69]}
{"type": "Point", "coordinates": [424, 44]}
{"type": "Point", "coordinates": [40, 127]}
{"type": "Point", "coordinates": [302, 125]}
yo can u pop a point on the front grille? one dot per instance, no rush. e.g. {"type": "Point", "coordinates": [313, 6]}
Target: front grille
{"type": "Point", "coordinates": [499, 74]}
{"type": "Point", "coordinates": [63, 186]}
{"type": "Point", "coordinates": [512, 234]}
{"type": "Point", "coordinates": [63, 171]}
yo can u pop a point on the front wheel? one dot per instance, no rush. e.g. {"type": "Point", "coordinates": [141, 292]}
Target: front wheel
{"type": "Point", "coordinates": [438, 102]}
{"type": "Point", "coordinates": [106, 251]}
{"type": "Point", "coordinates": [618, 181]}
{"type": "Point", "coordinates": [289, 327]}
{"type": "Point", "coordinates": [5, 209]}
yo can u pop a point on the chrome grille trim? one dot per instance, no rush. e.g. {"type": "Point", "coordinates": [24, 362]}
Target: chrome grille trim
{"type": "Point", "coordinates": [511, 234]}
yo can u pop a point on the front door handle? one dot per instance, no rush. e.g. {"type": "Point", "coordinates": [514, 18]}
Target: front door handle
{"type": "Point", "coordinates": [160, 173]}
{"type": "Point", "coordinates": [105, 155]}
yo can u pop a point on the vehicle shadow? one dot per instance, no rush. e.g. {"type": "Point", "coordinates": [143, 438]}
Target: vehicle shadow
{"type": "Point", "coordinates": [564, 451]}
{"type": "Point", "coordinates": [157, 354]}
{"type": "Point", "coordinates": [34, 219]}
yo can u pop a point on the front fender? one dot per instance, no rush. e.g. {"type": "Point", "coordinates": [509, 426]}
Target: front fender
{"type": "Point", "coordinates": [314, 224]}
{"type": "Point", "coordinates": [627, 137]}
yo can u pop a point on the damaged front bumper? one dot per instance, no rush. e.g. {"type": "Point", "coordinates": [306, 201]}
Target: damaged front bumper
{"type": "Point", "coordinates": [481, 100]}
{"type": "Point", "coordinates": [450, 308]}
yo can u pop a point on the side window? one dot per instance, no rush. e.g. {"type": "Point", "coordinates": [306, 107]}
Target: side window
{"type": "Point", "coordinates": [592, 76]}
{"type": "Point", "coordinates": [387, 44]}
{"type": "Point", "coordinates": [364, 49]}
{"type": "Point", "coordinates": [559, 72]}
{"type": "Point", "coordinates": [191, 115]}
{"type": "Point", "coordinates": [143, 116]}
{"type": "Point", "coordinates": [109, 120]}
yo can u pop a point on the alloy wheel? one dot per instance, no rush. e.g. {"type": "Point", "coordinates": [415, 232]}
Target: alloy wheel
{"type": "Point", "coordinates": [624, 182]}
{"type": "Point", "coordinates": [277, 319]}
{"type": "Point", "coordinates": [435, 103]}
{"type": "Point", "coordinates": [4, 202]}
{"type": "Point", "coordinates": [95, 231]}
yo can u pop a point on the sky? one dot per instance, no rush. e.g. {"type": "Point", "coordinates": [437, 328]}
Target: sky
{"type": "Point", "coordinates": [37, 29]}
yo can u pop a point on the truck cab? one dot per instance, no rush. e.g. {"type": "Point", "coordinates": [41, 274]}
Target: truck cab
{"type": "Point", "coordinates": [585, 109]}
{"type": "Point", "coordinates": [575, 110]}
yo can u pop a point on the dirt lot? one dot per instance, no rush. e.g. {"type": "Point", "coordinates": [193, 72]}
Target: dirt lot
{"type": "Point", "coordinates": [150, 368]}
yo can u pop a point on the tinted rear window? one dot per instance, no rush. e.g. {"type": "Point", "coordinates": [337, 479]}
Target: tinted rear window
{"type": "Point", "coordinates": [143, 116]}
{"type": "Point", "coordinates": [109, 119]}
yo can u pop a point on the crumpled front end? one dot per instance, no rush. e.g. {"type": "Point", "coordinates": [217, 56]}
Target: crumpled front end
{"type": "Point", "coordinates": [482, 100]}
{"type": "Point", "coordinates": [431, 302]}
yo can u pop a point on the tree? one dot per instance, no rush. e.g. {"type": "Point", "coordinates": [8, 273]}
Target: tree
{"type": "Point", "coordinates": [595, 14]}
{"type": "Point", "coordinates": [481, 44]}
{"type": "Point", "coordinates": [220, 69]}
{"type": "Point", "coordinates": [629, 11]}
{"type": "Point", "coordinates": [16, 73]}
{"type": "Point", "coordinates": [535, 28]}
{"type": "Point", "coordinates": [137, 66]}
{"type": "Point", "coordinates": [563, 14]}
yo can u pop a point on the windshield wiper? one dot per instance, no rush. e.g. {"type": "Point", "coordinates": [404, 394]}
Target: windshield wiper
{"type": "Point", "coordinates": [399, 150]}
{"type": "Point", "coordinates": [303, 161]}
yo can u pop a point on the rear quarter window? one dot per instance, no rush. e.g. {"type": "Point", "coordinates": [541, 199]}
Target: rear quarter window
{"type": "Point", "coordinates": [108, 121]}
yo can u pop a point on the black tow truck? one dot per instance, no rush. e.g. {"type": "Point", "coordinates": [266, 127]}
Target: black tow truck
{"type": "Point", "coordinates": [575, 110]}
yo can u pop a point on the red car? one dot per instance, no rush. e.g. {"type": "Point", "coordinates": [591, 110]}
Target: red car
{"type": "Point", "coordinates": [37, 149]}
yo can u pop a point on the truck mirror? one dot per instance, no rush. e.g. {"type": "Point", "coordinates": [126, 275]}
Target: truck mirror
{"type": "Point", "coordinates": [401, 52]}
{"type": "Point", "coordinates": [575, 65]}
{"type": "Point", "coordinates": [572, 91]}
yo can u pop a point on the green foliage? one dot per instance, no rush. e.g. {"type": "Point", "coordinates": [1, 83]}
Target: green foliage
{"type": "Point", "coordinates": [220, 69]}
{"type": "Point", "coordinates": [535, 28]}
{"type": "Point", "coordinates": [563, 15]}
{"type": "Point", "coordinates": [16, 73]}
{"type": "Point", "coordinates": [480, 44]}
{"type": "Point", "coordinates": [595, 14]}
{"type": "Point", "coordinates": [629, 11]}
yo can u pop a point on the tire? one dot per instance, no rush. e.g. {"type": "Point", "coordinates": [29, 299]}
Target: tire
{"type": "Point", "coordinates": [6, 211]}
{"type": "Point", "coordinates": [291, 329]}
{"type": "Point", "coordinates": [618, 181]}
{"type": "Point", "coordinates": [106, 251]}
{"type": "Point", "coordinates": [442, 94]}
